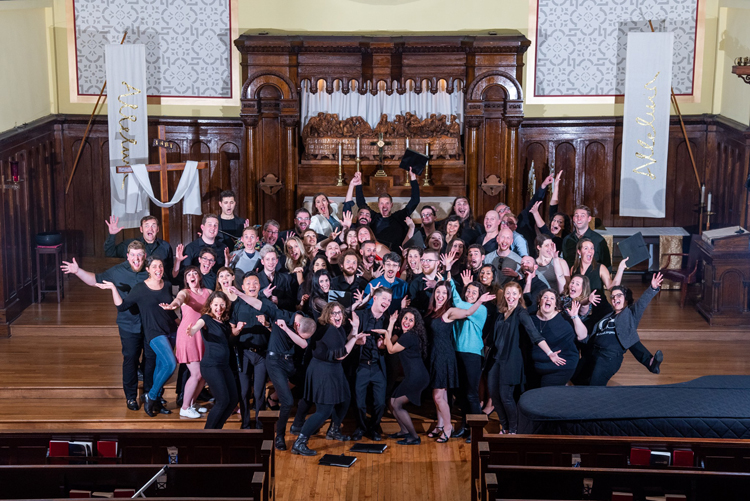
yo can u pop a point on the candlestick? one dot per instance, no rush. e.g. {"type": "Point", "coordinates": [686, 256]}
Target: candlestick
{"type": "Point", "coordinates": [708, 205]}
{"type": "Point", "coordinates": [358, 141]}
{"type": "Point", "coordinates": [427, 166]}
{"type": "Point", "coordinates": [340, 178]}
{"type": "Point", "coordinates": [14, 171]}
{"type": "Point", "coordinates": [407, 142]}
{"type": "Point", "coordinates": [703, 193]}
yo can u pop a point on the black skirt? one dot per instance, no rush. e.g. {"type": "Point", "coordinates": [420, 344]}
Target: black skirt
{"type": "Point", "coordinates": [325, 382]}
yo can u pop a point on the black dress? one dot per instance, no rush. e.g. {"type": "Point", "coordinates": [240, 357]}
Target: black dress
{"type": "Point", "coordinates": [443, 366]}
{"type": "Point", "coordinates": [560, 336]}
{"type": "Point", "coordinates": [416, 378]}
{"type": "Point", "coordinates": [325, 382]}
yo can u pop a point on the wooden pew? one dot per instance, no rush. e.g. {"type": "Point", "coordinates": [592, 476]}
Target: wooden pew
{"type": "Point", "coordinates": [149, 447]}
{"type": "Point", "coordinates": [544, 463]}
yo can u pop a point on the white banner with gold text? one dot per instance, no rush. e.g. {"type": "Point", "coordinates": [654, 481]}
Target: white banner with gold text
{"type": "Point", "coordinates": [128, 129]}
{"type": "Point", "coordinates": [645, 131]}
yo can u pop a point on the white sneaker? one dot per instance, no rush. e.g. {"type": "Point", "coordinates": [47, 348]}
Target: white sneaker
{"type": "Point", "coordinates": [202, 410]}
{"type": "Point", "coordinates": [189, 413]}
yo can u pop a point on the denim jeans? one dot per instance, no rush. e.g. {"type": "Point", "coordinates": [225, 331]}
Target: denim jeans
{"type": "Point", "coordinates": [166, 363]}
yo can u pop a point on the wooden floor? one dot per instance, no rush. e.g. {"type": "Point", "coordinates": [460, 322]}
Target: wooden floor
{"type": "Point", "coordinates": [61, 369]}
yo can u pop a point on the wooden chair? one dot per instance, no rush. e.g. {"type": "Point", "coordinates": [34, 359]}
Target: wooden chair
{"type": "Point", "coordinates": [688, 273]}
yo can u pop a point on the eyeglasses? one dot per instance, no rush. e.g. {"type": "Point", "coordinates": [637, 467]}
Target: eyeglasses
{"type": "Point", "coordinates": [303, 219]}
{"type": "Point", "coordinates": [428, 260]}
{"type": "Point", "coordinates": [336, 313]}
{"type": "Point", "coordinates": [272, 232]}
{"type": "Point", "coordinates": [617, 295]}
{"type": "Point", "coordinates": [208, 260]}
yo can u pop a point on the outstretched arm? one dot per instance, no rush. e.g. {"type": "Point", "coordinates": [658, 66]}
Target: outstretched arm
{"type": "Point", "coordinates": [414, 200]}
{"type": "Point", "coordinates": [72, 268]}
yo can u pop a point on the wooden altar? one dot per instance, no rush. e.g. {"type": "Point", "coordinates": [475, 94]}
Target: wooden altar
{"type": "Point", "coordinates": [275, 65]}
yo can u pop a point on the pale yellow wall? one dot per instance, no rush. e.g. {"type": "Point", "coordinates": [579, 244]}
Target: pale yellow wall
{"type": "Point", "coordinates": [734, 41]}
{"type": "Point", "coordinates": [401, 16]}
{"type": "Point", "coordinates": [25, 76]}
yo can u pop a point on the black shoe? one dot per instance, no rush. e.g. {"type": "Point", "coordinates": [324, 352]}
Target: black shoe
{"type": "Point", "coordinates": [401, 434]}
{"type": "Point", "coordinates": [374, 435]}
{"type": "Point", "coordinates": [295, 430]}
{"type": "Point", "coordinates": [300, 447]}
{"type": "Point", "coordinates": [148, 406]}
{"type": "Point", "coordinates": [279, 443]}
{"type": "Point", "coordinates": [410, 441]}
{"type": "Point", "coordinates": [133, 405]}
{"type": "Point", "coordinates": [358, 434]}
{"type": "Point", "coordinates": [334, 433]}
{"type": "Point", "coordinates": [163, 402]}
{"type": "Point", "coordinates": [656, 362]}
{"type": "Point", "coordinates": [180, 399]}
{"type": "Point", "coordinates": [462, 432]}
{"type": "Point", "coordinates": [205, 395]}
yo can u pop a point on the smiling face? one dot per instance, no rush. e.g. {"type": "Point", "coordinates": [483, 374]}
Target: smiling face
{"type": "Point", "coordinates": [136, 258]}
{"type": "Point", "coordinates": [251, 286]}
{"type": "Point", "coordinates": [485, 276]}
{"type": "Point", "coordinates": [218, 307]}
{"type": "Point", "coordinates": [512, 294]}
{"type": "Point", "coordinates": [548, 304]}
{"type": "Point", "coordinates": [475, 258]}
{"type": "Point", "coordinates": [350, 265]}
{"type": "Point", "coordinates": [227, 205]}
{"type": "Point", "coordinates": [270, 261]}
{"type": "Point", "coordinates": [149, 229]}
{"type": "Point", "coordinates": [192, 279]}
{"type": "Point", "coordinates": [302, 221]}
{"type": "Point", "coordinates": [440, 295]}
{"type": "Point", "coordinates": [364, 216]}
{"type": "Point", "coordinates": [581, 220]}
{"type": "Point", "coordinates": [324, 282]}
{"type": "Point", "coordinates": [382, 302]}
{"type": "Point", "coordinates": [429, 261]}
{"type": "Point", "coordinates": [293, 249]}
{"type": "Point", "coordinates": [502, 209]}
{"type": "Point", "coordinates": [333, 250]}
{"type": "Point", "coordinates": [457, 247]}
{"type": "Point", "coordinates": [504, 239]}
{"type": "Point", "coordinates": [491, 222]}
{"type": "Point", "coordinates": [509, 222]}
{"type": "Point", "coordinates": [363, 234]}
{"type": "Point", "coordinates": [337, 317]}
{"type": "Point", "coordinates": [368, 253]}
{"type": "Point", "coordinates": [321, 203]}
{"type": "Point", "coordinates": [351, 239]}
{"type": "Point", "coordinates": [270, 234]}
{"type": "Point", "coordinates": [472, 294]}
{"type": "Point", "coordinates": [586, 252]}
{"type": "Point", "coordinates": [413, 258]}
{"type": "Point", "coordinates": [527, 264]}
{"type": "Point", "coordinates": [225, 279]}
{"type": "Point", "coordinates": [427, 216]}
{"type": "Point", "coordinates": [155, 270]}
{"type": "Point", "coordinates": [557, 224]}
{"type": "Point", "coordinates": [385, 205]}
{"type": "Point", "coordinates": [618, 300]}
{"type": "Point", "coordinates": [310, 238]}
{"type": "Point", "coordinates": [210, 228]}
{"type": "Point", "coordinates": [575, 288]}
{"type": "Point", "coordinates": [249, 239]}
{"type": "Point", "coordinates": [451, 228]}
{"type": "Point", "coordinates": [407, 322]}
{"type": "Point", "coordinates": [206, 262]}
{"type": "Point", "coordinates": [391, 268]}
{"type": "Point", "coordinates": [319, 264]}
{"type": "Point", "coordinates": [461, 207]}
{"type": "Point", "coordinates": [435, 242]}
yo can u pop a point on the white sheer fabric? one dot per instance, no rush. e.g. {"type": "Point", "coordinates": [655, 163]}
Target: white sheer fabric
{"type": "Point", "coordinates": [372, 107]}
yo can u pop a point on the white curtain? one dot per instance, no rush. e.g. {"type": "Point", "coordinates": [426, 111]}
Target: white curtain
{"type": "Point", "coordinates": [372, 107]}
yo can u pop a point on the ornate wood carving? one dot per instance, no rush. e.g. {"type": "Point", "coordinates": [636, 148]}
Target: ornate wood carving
{"type": "Point", "coordinates": [492, 185]}
{"type": "Point", "coordinates": [270, 184]}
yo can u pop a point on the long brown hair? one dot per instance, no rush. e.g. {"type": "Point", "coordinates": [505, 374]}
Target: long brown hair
{"type": "Point", "coordinates": [577, 263]}
{"type": "Point", "coordinates": [502, 304]}
{"type": "Point", "coordinates": [432, 311]}
{"type": "Point", "coordinates": [207, 306]}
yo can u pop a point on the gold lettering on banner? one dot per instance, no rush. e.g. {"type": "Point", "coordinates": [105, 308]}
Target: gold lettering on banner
{"type": "Point", "coordinates": [651, 135]}
{"type": "Point", "coordinates": [126, 141]}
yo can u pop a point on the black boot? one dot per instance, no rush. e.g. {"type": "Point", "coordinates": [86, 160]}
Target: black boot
{"type": "Point", "coordinates": [300, 447]}
{"type": "Point", "coordinates": [295, 430]}
{"type": "Point", "coordinates": [279, 443]}
{"type": "Point", "coordinates": [656, 362]}
{"type": "Point", "coordinates": [334, 433]}
{"type": "Point", "coordinates": [148, 405]}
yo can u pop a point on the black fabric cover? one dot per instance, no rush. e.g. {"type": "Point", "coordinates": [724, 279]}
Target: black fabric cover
{"type": "Point", "coordinates": [707, 407]}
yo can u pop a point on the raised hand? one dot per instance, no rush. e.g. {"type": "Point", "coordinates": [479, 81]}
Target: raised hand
{"type": "Point", "coordinates": [466, 277]}
{"type": "Point", "coordinates": [392, 319]}
{"type": "Point", "coordinates": [531, 274]}
{"type": "Point", "coordinates": [70, 267]}
{"type": "Point", "coordinates": [575, 307]}
{"type": "Point", "coordinates": [226, 256]}
{"type": "Point", "coordinates": [348, 217]}
{"type": "Point", "coordinates": [412, 176]}
{"type": "Point", "coordinates": [355, 322]}
{"type": "Point", "coordinates": [448, 260]}
{"type": "Point", "coordinates": [594, 298]}
{"type": "Point", "coordinates": [487, 297]}
{"type": "Point", "coordinates": [268, 291]}
{"type": "Point", "coordinates": [405, 302]}
{"type": "Point", "coordinates": [262, 320]}
{"type": "Point", "coordinates": [335, 233]}
{"type": "Point", "coordinates": [558, 177]}
{"type": "Point", "coordinates": [356, 179]}
{"type": "Point", "coordinates": [547, 181]}
{"type": "Point", "coordinates": [180, 253]}
{"type": "Point", "coordinates": [409, 222]}
{"type": "Point", "coordinates": [298, 269]}
{"type": "Point", "coordinates": [247, 223]}
{"type": "Point", "coordinates": [430, 284]}
{"type": "Point", "coordinates": [624, 263]}
{"type": "Point", "coordinates": [281, 323]}
{"type": "Point", "coordinates": [358, 295]}
{"type": "Point", "coordinates": [112, 225]}
{"type": "Point", "coordinates": [535, 208]}
{"type": "Point", "coordinates": [656, 280]}
{"type": "Point", "coordinates": [234, 290]}
{"type": "Point", "coordinates": [379, 272]}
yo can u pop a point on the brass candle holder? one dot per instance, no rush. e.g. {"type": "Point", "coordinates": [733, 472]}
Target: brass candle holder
{"type": "Point", "coordinates": [340, 178]}
{"type": "Point", "coordinates": [708, 219]}
{"type": "Point", "coordinates": [700, 209]}
{"type": "Point", "coordinates": [426, 181]}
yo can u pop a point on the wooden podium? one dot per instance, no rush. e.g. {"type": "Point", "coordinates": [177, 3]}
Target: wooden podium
{"type": "Point", "coordinates": [725, 254]}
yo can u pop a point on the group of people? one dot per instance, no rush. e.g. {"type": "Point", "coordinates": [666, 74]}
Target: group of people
{"type": "Point", "coordinates": [364, 310]}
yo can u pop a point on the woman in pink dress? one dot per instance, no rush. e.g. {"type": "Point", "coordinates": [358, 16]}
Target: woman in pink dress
{"type": "Point", "coordinates": [189, 350]}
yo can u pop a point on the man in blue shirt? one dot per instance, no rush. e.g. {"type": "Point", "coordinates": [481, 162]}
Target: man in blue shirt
{"type": "Point", "coordinates": [391, 265]}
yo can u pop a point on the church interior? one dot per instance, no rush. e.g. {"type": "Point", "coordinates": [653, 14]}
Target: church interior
{"type": "Point", "coordinates": [285, 100]}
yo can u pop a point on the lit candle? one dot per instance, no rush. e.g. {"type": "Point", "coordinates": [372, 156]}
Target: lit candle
{"type": "Point", "coordinates": [339, 154]}
{"type": "Point", "coordinates": [703, 193]}
{"type": "Point", "coordinates": [533, 185]}
{"type": "Point", "coordinates": [407, 142]}
{"type": "Point", "coordinates": [427, 151]}
{"type": "Point", "coordinates": [358, 141]}
{"type": "Point", "coordinates": [708, 207]}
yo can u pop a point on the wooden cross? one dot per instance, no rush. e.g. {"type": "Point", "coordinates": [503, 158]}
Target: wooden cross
{"type": "Point", "coordinates": [162, 168]}
{"type": "Point", "coordinates": [381, 145]}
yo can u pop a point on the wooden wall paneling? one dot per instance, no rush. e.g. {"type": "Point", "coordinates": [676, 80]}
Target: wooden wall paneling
{"type": "Point", "coordinates": [596, 178]}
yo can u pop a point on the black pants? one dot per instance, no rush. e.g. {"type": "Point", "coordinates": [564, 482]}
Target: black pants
{"type": "Point", "coordinates": [133, 345]}
{"type": "Point", "coordinates": [280, 370]}
{"type": "Point", "coordinates": [641, 354]}
{"type": "Point", "coordinates": [607, 358]}
{"type": "Point", "coordinates": [370, 377]}
{"type": "Point", "coordinates": [469, 374]}
{"type": "Point", "coordinates": [322, 412]}
{"type": "Point", "coordinates": [253, 374]}
{"type": "Point", "coordinates": [503, 398]}
{"type": "Point", "coordinates": [224, 389]}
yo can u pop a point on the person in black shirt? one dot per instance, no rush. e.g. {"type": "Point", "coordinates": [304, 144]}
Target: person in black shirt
{"type": "Point", "coordinates": [189, 253]}
{"type": "Point", "coordinates": [325, 382]}
{"type": "Point", "coordinates": [302, 220]}
{"type": "Point", "coordinates": [125, 276]}
{"type": "Point", "coordinates": [389, 229]}
{"type": "Point", "coordinates": [282, 287]}
{"type": "Point", "coordinates": [152, 297]}
{"type": "Point", "coordinates": [216, 332]}
{"type": "Point", "coordinates": [470, 230]}
{"type": "Point", "coordinates": [230, 226]}
{"type": "Point", "coordinates": [153, 246]}
{"type": "Point", "coordinates": [349, 281]}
